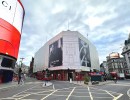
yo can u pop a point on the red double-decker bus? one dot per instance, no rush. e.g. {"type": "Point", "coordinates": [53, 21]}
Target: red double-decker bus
{"type": "Point", "coordinates": [11, 22]}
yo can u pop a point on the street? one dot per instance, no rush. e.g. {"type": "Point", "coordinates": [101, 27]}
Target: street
{"type": "Point", "coordinates": [63, 90]}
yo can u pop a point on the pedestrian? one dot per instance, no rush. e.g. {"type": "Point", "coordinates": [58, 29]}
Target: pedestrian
{"type": "Point", "coordinates": [105, 78]}
{"type": "Point", "coordinates": [22, 78]}
{"type": "Point", "coordinates": [19, 75]}
{"type": "Point", "coordinates": [115, 79]}
{"type": "Point", "coordinates": [77, 78]}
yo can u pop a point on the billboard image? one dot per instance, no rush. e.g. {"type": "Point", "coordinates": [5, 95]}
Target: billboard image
{"type": "Point", "coordinates": [11, 21]}
{"type": "Point", "coordinates": [12, 12]}
{"type": "Point", "coordinates": [55, 53]}
{"type": "Point", "coordinates": [114, 55]}
{"type": "Point", "coordinates": [84, 54]}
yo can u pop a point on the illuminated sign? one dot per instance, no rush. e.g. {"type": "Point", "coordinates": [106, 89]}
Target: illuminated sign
{"type": "Point", "coordinates": [11, 19]}
{"type": "Point", "coordinates": [12, 12]}
{"type": "Point", "coordinates": [114, 55]}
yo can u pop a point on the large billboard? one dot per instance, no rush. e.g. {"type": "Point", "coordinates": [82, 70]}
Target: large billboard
{"type": "Point", "coordinates": [12, 12]}
{"type": "Point", "coordinates": [84, 53]}
{"type": "Point", "coordinates": [11, 20]}
{"type": "Point", "coordinates": [55, 53]}
{"type": "Point", "coordinates": [114, 55]}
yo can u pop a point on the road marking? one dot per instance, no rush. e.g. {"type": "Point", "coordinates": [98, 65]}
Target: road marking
{"type": "Point", "coordinates": [59, 95]}
{"type": "Point", "coordinates": [24, 91]}
{"type": "Point", "coordinates": [90, 93]}
{"type": "Point", "coordinates": [79, 96]}
{"type": "Point", "coordinates": [48, 95]}
{"type": "Point", "coordinates": [23, 96]}
{"type": "Point", "coordinates": [64, 91]}
{"type": "Point", "coordinates": [110, 94]}
{"type": "Point", "coordinates": [103, 97]}
{"type": "Point", "coordinates": [119, 84]}
{"type": "Point", "coordinates": [38, 92]}
{"type": "Point", "coordinates": [8, 87]}
{"type": "Point", "coordinates": [80, 89]}
{"type": "Point", "coordinates": [128, 93]}
{"type": "Point", "coordinates": [65, 88]}
{"type": "Point", "coordinates": [70, 93]}
{"type": "Point", "coordinates": [116, 98]}
{"type": "Point", "coordinates": [16, 85]}
{"type": "Point", "coordinates": [98, 93]}
{"type": "Point", "coordinates": [28, 99]}
{"type": "Point", "coordinates": [105, 90]}
{"type": "Point", "coordinates": [17, 95]}
{"type": "Point", "coordinates": [7, 98]}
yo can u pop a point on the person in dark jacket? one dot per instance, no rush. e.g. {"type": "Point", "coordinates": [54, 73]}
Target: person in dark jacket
{"type": "Point", "coordinates": [19, 75]}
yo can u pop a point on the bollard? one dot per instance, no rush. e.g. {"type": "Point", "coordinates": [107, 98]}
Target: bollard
{"type": "Point", "coordinates": [70, 80]}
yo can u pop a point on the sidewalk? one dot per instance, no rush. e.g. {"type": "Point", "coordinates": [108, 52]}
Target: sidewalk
{"type": "Point", "coordinates": [8, 85]}
{"type": "Point", "coordinates": [27, 81]}
{"type": "Point", "coordinates": [90, 84]}
{"type": "Point", "coordinates": [45, 84]}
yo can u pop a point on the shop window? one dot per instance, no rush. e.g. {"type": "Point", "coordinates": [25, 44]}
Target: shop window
{"type": "Point", "coordinates": [7, 63]}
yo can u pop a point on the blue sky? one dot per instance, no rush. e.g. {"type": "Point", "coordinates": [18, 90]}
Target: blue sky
{"type": "Point", "coordinates": [107, 23]}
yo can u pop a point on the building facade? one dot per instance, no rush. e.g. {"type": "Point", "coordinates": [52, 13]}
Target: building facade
{"type": "Point", "coordinates": [104, 67]}
{"type": "Point", "coordinates": [126, 53]}
{"type": "Point", "coordinates": [11, 22]}
{"type": "Point", "coordinates": [69, 54]}
{"type": "Point", "coordinates": [116, 63]}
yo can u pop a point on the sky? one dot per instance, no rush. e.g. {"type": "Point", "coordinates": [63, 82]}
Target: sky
{"type": "Point", "coordinates": [107, 23]}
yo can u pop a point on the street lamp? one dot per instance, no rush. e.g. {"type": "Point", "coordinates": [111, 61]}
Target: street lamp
{"type": "Point", "coordinates": [21, 61]}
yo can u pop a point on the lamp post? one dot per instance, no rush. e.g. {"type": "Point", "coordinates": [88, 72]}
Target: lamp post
{"type": "Point", "coordinates": [21, 61]}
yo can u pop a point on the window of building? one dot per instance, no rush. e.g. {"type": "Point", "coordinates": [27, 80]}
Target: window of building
{"type": "Point", "coordinates": [129, 59]}
{"type": "Point", "coordinates": [9, 63]}
{"type": "Point", "coordinates": [126, 47]}
{"type": "Point", "coordinates": [116, 65]}
{"type": "Point", "coordinates": [121, 65]}
{"type": "Point", "coordinates": [124, 58]}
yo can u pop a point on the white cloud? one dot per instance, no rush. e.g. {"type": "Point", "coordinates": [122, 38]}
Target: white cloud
{"type": "Point", "coordinates": [103, 20]}
{"type": "Point", "coordinates": [58, 9]}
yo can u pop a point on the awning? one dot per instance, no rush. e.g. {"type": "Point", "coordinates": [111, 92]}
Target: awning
{"type": "Point", "coordinates": [113, 72]}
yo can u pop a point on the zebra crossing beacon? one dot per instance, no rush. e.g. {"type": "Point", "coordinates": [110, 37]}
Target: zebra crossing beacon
{"type": "Point", "coordinates": [11, 22]}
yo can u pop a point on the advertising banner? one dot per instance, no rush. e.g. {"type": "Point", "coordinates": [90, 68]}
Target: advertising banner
{"type": "Point", "coordinates": [114, 55]}
{"type": "Point", "coordinates": [55, 53]}
{"type": "Point", "coordinates": [12, 12]}
{"type": "Point", "coordinates": [84, 54]}
{"type": "Point", "coordinates": [11, 20]}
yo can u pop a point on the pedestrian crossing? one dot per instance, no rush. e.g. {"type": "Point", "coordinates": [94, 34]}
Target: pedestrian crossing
{"type": "Point", "coordinates": [70, 93]}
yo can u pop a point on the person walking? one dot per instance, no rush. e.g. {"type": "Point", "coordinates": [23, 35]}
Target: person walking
{"type": "Point", "coordinates": [19, 75]}
{"type": "Point", "coordinates": [22, 78]}
{"type": "Point", "coordinates": [115, 79]}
